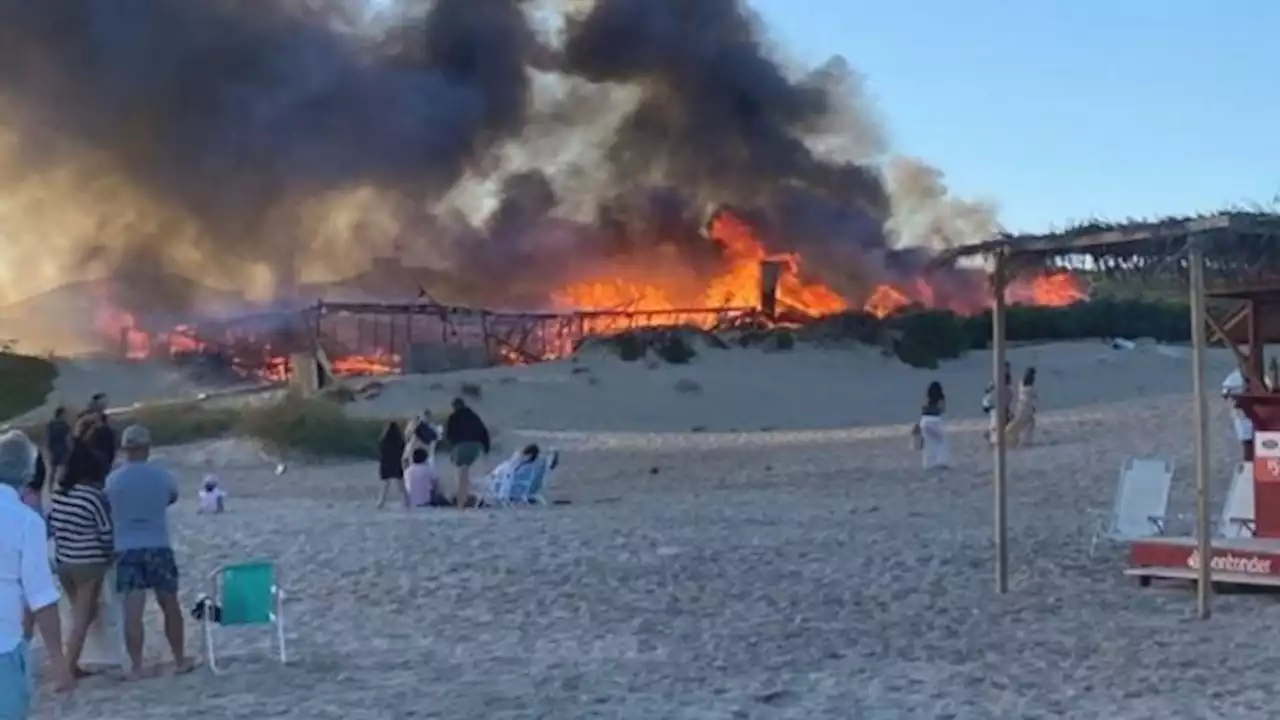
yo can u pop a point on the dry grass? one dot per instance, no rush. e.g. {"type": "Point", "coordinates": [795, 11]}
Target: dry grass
{"type": "Point", "coordinates": [314, 427]}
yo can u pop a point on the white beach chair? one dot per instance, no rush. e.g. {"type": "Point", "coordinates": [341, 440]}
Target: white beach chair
{"type": "Point", "coordinates": [497, 491]}
{"type": "Point", "coordinates": [1237, 511]}
{"type": "Point", "coordinates": [537, 493]}
{"type": "Point", "coordinates": [1141, 502]}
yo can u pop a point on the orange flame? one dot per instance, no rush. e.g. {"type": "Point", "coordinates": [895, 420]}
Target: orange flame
{"type": "Point", "coordinates": [737, 284]}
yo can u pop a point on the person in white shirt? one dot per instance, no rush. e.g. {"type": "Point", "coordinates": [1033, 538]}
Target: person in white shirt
{"type": "Point", "coordinates": [26, 581]}
{"type": "Point", "coordinates": [213, 499]}
{"type": "Point", "coordinates": [1231, 387]}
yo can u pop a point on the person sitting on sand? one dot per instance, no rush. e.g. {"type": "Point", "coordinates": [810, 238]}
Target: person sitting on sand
{"type": "Point", "coordinates": [468, 438]}
{"type": "Point", "coordinates": [934, 451]}
{"type": "Point", "coordinates": [84, 550]}
{"type": "Point", "coordinates": [213, 499]}
{"type": "Point", "coordinates": [390, 468]}
{"type": "Point", "coordinates": [422, 482]}
{"type": "Point", "coordinates": [140, 493]}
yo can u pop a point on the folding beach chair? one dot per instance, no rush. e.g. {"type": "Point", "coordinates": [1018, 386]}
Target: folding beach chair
{"type": "Point", "coordinates": [536, 494]}
{"type": "Point", "coordinates": [1141, 502]}
{"type": "Point", "coordinates": [498, 483]}
{"type": "Point", "coordinates": [1237, 511]}
{"type": "Point", "coordinates": [246, 594]}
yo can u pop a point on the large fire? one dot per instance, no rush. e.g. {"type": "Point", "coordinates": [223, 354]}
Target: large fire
{"type": "Point", "coordinates": [664, 288]}
{"type": "Point", "coordinates": [737, 284]}
{"type": "Point", "coordinates": [255, 361]}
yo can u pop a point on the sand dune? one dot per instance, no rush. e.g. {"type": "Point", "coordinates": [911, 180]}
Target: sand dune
{"type": "Point", "coordinates": [803, 572]}
{"type": "Point", "coordinates": [806, 388]}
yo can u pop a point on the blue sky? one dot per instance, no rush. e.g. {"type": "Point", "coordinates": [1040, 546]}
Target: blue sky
{"type": "Point", "coordinates": [1064, 110]}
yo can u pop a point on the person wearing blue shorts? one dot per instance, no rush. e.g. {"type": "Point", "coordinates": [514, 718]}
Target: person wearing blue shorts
{"type": "Point", "coordinates": [140, 493]}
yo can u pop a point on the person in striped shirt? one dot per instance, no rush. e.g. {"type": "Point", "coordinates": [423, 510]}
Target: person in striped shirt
{"type": "Point", "coordinates": [84, 549]}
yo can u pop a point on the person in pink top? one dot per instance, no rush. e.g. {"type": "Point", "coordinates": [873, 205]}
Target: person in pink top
{"type": "Point", "coordinates": [422, 482]}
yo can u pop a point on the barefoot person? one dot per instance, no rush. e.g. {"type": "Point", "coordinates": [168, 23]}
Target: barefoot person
{"type": "Point", "coordinates": [84, 552]}
{"type": "Point", "coordinates": [25, 582]}
{"type": "Point", "coordinates": [140, 494]}
{"type": "Point", "coordinates": [468, 438]}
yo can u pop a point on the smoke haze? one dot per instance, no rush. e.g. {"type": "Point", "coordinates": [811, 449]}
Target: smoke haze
{"type": "Point", "coordinates": [508, 143]}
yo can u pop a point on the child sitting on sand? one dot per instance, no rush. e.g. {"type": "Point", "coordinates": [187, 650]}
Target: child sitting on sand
{"type": "Point", "coordinates": [213, 499]}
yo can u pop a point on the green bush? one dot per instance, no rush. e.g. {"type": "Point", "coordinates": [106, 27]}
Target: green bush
{"type": "Point", "coordinates": [25, 382]}
{"type": "Point", "coordinates": [675, 349]}
{"type": "Point", "coordinates": [629, 345]}
{"type": "Point", "coordinates": [926, 337]}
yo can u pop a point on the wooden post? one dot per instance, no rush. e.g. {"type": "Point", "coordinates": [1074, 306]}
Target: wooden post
{"type": "Point", "coordinates": [1204, 581]}
{"type": "Point", "coordinates": [1001, 410]}
{"type": "Point", "coordinates": [1257, 363]}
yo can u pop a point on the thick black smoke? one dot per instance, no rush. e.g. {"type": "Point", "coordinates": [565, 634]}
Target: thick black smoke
{"type": "Point", "coordinates": [234, 111]}
{"type": "Point", "coordinates": [720, 119]}
{"type": "Point", "coordinates": [234, 116]}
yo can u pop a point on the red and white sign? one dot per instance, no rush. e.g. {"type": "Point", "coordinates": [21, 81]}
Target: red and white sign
{"type": "Point", "coordinates": [1229, 562]}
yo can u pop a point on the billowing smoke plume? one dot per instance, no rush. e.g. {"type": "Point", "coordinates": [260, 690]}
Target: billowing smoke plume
{"type": "Point", "coordinates": [245, 141]}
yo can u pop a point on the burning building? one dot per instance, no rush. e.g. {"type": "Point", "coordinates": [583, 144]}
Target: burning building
{"type": "Point", "coordinates": [263, 145]}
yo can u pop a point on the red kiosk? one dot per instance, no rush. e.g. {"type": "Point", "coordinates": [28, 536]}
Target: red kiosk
{"type": "Point", "coordinates": [1245, 560]}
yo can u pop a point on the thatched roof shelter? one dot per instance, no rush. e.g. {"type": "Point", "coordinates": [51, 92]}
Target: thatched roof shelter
{"type": "Point", "coordinates": [1237, 245]}
{"type": "Point", "coordinates": [1232, 254]}
{"type": "Point", "coordinates": [1241, 250]}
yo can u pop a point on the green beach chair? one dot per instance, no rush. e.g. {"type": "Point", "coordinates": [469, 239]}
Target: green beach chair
{"type": "Point", "coordinates": [245, 594]}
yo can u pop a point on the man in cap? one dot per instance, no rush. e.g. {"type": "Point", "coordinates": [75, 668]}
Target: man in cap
{"type": "Point", "coordinates": [26, 581]}
{"type": "Point", "coordinates": [140, 493]}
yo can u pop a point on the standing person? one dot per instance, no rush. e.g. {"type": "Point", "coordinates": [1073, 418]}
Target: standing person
{"type": "Point", "coordinates": [391, 463]}
{"type": "Point", "coordinates": [84, 465]}
{"type": "Point", "coordinates": [84, 552]}
{"type": "Point", "coordinates": [420, 433]}
{"type": "Point", "coordinates": [934, 451]}
{"type": "Point", "coordinates": [58, 442]}
{"type": "Point", "coordinates": [1023, 427]}
{"type": "Point", "coordinates": [1232, 387]}
{"type": "Point", "coordinates": [102, 438]}
{"type": "Point", "coordinates": [25, 582]}
{"type": "Point", "coordinates": [468, 438]}
{"type": "Point", "coordinates": [140, 493]}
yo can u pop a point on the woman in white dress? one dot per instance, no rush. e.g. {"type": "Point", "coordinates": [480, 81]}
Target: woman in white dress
{"type": "Point", "coordinates": [934, 452]}
{"type": "Point", "coordinates": [1022, 429]}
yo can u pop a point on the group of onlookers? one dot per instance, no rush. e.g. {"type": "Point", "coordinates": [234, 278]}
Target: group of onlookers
{"type": "Point", "coordinates": [406, 457]}
{"type": "Point", "coordinates": [109, 526]}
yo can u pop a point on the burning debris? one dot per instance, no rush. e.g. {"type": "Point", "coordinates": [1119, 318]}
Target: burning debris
{"type": "Point", "coordinates": [257, 144]}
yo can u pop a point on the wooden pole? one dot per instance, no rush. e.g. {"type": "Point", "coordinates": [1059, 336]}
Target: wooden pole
{"type": "Point", "coordinates": [1204, 581]}
{"type": "Point", "coordinates": [1001, 410]}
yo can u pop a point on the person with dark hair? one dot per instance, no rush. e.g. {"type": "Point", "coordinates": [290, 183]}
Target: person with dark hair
{"type": "Point", "coordinates": [422, 482]}
{"type": "Point", "coordinates": [84, 465]}
{"type": "Point", "coordinates": [57, 442]}
{"type": "Point", "coordinates": [84, 551]}
{"type": "Point", "coordinates": [468, 438]}
{"type": "Point", "coordinates": [390, 466]}
{"type": "Point", "coordinates": [934, 450]}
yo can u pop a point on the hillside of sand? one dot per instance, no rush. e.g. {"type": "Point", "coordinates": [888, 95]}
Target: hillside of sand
{"type": "Point", "coordinates": [789, 574]}
{"type": "Point", "coordinates": [806, 388]}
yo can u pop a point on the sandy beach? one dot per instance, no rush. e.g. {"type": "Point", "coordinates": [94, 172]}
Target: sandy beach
{"type": "Point", "coordinates": [765, 546]}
